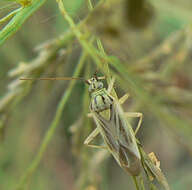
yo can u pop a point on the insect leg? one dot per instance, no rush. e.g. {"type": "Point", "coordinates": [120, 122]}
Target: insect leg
{"type": "Point", "coordinates": [91, 137]}
{"type": "Point", "coordinates": [133, 115]}
{"type": "Point", "coordinates": [123, 98]}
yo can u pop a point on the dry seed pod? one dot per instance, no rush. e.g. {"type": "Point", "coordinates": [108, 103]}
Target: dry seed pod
{"type": "Point", "coordinates": [138, 13]}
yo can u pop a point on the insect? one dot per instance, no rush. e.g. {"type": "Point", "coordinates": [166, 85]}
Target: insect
{"type": "Point", "coordinates": [118, 135]}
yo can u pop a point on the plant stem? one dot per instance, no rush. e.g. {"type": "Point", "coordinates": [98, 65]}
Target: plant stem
{"type": "Point", "coordinates": [10, 15]}
{"type": "Point", "coordinates": [136, 183]}
{"type": "Point", "coordinates": [18, 20]}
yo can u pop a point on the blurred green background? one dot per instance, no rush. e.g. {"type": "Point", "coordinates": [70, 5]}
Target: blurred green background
{"type": "Point", "coordinates": [153, 41]}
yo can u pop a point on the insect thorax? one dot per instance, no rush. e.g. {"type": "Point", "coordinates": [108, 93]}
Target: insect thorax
{"type": "Point", "coordinates": [100, 100]}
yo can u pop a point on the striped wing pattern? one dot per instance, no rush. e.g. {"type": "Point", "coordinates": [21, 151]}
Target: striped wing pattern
{"type": "Point", "coordinates": [119, 137]}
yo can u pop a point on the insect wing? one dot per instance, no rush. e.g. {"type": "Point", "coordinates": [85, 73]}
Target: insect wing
{"type": "Point", "coordinates": [128, 151]}
{"type": "Point", "coordinates": [119, 137]}
{"type": "Point", "coordinates": [125, 132]}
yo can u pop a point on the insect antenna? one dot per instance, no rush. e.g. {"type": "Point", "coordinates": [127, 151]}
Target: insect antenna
{"type": "Point", "coordinates": [64, 78]}
{"type": "Point", "coordinates": [54, 78]}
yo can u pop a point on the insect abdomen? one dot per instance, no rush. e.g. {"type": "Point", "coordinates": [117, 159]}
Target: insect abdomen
{"type": "Point", "coordinates": [129, 161]}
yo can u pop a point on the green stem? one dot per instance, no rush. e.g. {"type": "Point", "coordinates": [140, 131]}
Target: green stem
{"type": "Point", "coordinates": [84, 43]}
{"type": "Point", "coordinates": [136, 183]}
{"type": "Point", "coordinates": [98, 57]}
{"type": "Point", "coordinates": [52, 127]}
{"type": "Point", "coordinates": [18, 20]}
{"type": "Point", "coordinates": [10, 15]}
{"type": "Point", "coordinates": [90, 5]}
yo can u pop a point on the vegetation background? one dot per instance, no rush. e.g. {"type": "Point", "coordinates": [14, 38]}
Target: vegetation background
{"type": "Point", "coordinates": [148, 46]}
